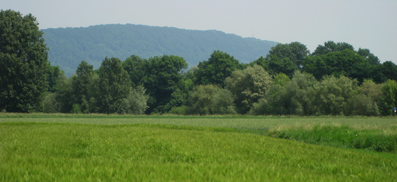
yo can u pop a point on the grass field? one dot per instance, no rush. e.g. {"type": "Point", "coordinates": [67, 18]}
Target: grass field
{"type": "Point", "coordinates": [39, 147]}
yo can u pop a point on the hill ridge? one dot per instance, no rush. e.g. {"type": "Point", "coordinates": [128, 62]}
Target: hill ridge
{"type": "Point", "coordinates": [68, 46]}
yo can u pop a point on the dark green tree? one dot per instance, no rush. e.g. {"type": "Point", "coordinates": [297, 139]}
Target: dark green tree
{"type": "Point", "coordinates": [294, 51]}
{"type": "Point", "coordinates": [23, 62]}
{"type": "Point", "coordinates": [285, 65]}
{"type": "Point", "coordinates": [54, 74]}
{"type": "Point", "coordinates": [388, 98]}
{"type": "Point", "coordinates": [135, 66]}
{"type": "Point", "coordinates": [218, 67]}
{"type": "Point", "coordinates": [64, 95]}
{"type": "Point", "coordinates": [162, 79]}
{"type": "Point", "coordinates": [84, 87]}
{"type": "Point", "coordinates": [389, 70]}
{"type": "Point", "coordinates": [372, 59]}
{"type": "Point", "coordinates": [331, 46]}
{"type": "Point", "coordinates": [346, 62]}
{"type": "Point", "coordinates": [114, 85]}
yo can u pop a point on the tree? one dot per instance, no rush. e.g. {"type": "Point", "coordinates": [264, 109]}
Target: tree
{"type": "Point", "coordinates": [162, 79]}
{"type": "Point", "coordinates": [218, 67]}
{"type": "Point", "coordinates": [83, 87]}
{"type": "Point", "coordinates": [135, 103]}
{"type": "Point", "coordinates": [200, 100]}
{"type": "Point", "coordinates": [54, 74]}
{"type": "Point", "coordinates": [23, 62]}
{"type": "Point", "coordinates": [336, 96]}
{"type": "Point", "coordinates": [294, 51]}
{"type": "Point", "coordinates": [63, 96]}
{"type": "Point", "coordinates": [114, 85]}
{"type": "Point", "coordinates": [248, 86]}
{"type": "Point", "coordinates": [135, 66]}
{"type": "Point", "coordinates": [210, 99]}
{"type": "Point", "coordinates": [371, 90]}
{"type": "Point", "coordinates": [372, 59]}
{"type": "Point", "coordinates": [268, 104]}
{"type": "Point", "coordinates": [389, 70]}
{"type": "Point", "coordinates": [289, 97]}
{"type": "Point", "coordinates": [346, 62]}
{"type": "Point", "coordinates": [331, 46]}
{"type": "Point", "coordinates": [389, 97]}
{"type": "Point", "coordinates": [281, 79]}
{"type": "Point", "coordinates": [277, 65]}
{"type": "Point", "coordinates": [51, 105]}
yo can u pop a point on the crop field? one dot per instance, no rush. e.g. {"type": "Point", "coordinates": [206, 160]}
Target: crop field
{"type": "Point", "coordinates": [58, 147]}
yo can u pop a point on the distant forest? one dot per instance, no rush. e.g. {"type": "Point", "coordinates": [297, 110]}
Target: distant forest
{"type": "Point", "coordinates": [334, 79]}
{"type": "Point", "coordinates": [68, 46]}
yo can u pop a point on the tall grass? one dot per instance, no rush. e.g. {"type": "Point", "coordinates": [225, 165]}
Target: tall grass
{"type": "Point", "coordinates": [32, 151]}
{"type": "Point", "coordinates": [341, 136]}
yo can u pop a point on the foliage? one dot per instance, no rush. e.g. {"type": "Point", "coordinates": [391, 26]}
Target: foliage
{"type": "Point", "coordinates": [346, 62]}
{"type": "Point", "coordinates": [64, 94]}
{"type": "Point", "coordinates": [84, 87]}
{"type": "Point", "coordinates": [331, 46]}
{"type": "Point", "coordinates": [277, 65]}
{"type": "Point", "coordinates": [162, 76]}
{"type": "Point", "coordinates": [76, 109]}
{"type": "Point", "coordinates": [389, 97]}
{"type": "Point", "coordinates": [200, 99]}
{"type": "Point", "coordinates": [294, 51]}
{"type": "Point", "coordinates": [181, 110]}
{"type": "Point", "coordinates": [372, 59]}
{"type": "Point", "coordinates": [335, 96]}
{"type": "Point", "coordinates": [114, 85]}
{"type": "Point", "coordinates": [248, 86]}
{"type": "Point", "coordinates": [54, 74]}
{"type": "Point", "coordinates": [214, 71]}
{"type": "Point", "coordinates": [23, 64]}
{"type": "Point", "coordinates": [389, 70]}
{"type": "Point", "coordinates": [222, 102]}
{"type": "Point", "coordinates": [281, 79]}
{"type": "Point", "coordinates": [135, 66]}
{"type": "Point", "coordinates": [300, 94]}
{"type": "Point", "coordinates": [371, 90]}
{"type": "Point", "coordinates": [364, 105]}
{"type": "Point", "coordinates": [210, 99]}
{"type": "Point", "coordinates": [135, 103]}
{"type": "Point", "coordinates": [295, 97]}
{"type": "Point", "coordinates": [51, 105]}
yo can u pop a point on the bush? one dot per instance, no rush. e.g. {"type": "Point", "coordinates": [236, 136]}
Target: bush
{"type": "Point", "coordinates": [210, 99]}
{"type": "Point", "coordinates": [51, 105]}
{"type": "Point", "coordinates": [181, 110]}
{"type": "Point", "coordinates": [75, 109]}
{"type": "Point", "coordinates": [135, 103]}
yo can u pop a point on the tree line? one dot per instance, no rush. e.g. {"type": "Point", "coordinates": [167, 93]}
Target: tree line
{"type": "Point", "coordinates": [335, 79]}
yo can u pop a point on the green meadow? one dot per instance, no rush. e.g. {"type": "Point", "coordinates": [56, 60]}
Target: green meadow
{"type": "Point", "coordinates": [59, 147]}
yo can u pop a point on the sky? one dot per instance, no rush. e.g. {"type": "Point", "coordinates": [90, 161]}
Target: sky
{"type": "Point", "coordinates": [370, 24]}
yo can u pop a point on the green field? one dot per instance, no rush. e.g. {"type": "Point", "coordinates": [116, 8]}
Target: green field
{"type": "Point", "coordinates": [38, 147]}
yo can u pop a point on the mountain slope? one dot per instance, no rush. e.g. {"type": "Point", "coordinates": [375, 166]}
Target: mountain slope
{"type": "Point", "coordinates": [68, 46]}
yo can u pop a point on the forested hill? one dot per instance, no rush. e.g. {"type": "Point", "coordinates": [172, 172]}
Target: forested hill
{"type": "Point", "coordinates": [69, 46]}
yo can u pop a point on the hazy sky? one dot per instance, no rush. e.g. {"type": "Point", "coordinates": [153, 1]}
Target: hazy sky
{"type": "Point", "coordinates": [368, 24]}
